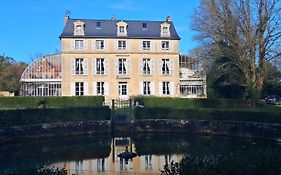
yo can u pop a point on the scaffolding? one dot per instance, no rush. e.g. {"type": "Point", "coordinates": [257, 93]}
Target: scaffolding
{"type": "Point", "coordinates": [42, 77]}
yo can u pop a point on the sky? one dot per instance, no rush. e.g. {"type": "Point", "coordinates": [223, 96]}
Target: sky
{"type": "Point", "coordinates": [32, 27]}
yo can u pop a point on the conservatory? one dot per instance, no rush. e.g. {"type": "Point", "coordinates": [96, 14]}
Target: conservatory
{"type": "Point", "coordinates": [42, 77]}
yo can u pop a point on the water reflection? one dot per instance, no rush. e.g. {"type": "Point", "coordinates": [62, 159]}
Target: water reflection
{"type": "Point", "coordinates": [99, 154]}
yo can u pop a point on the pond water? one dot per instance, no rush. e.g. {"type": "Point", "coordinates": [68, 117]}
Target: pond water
{"type": "Point", "coordinates": [90, 155]}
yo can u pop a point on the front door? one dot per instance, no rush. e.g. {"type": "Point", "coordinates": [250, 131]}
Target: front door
{"type": "Point", "coordinates": [123, 91]}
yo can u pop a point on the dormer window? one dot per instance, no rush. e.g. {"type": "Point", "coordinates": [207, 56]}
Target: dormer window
{"type": "Point", "coordinates": [165, 30]}
{"type": "Point", "coordinates": [79, 27]}
{"type": "Point", "coordinates": [122, 28]}
{"type": "Point", "coordinates": [98, 24]}
{"type": "Point", "coordinates": [144, 26]}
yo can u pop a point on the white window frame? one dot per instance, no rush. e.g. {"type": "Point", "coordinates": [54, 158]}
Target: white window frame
{"type": "Point", "coordinates": [166, 67]}
{"type": "Point", "coordinates": [79, 89]}
{"type": "Point", "coordinates": [100, 66]}
{"type": "Point", "coordinates": [122, 66]}
{"type": "Point", "coordinates": [79, 66]}
{"type": "Point", "coordinates": [121, 44]}
{"type": "Point", "coordinates": [165, 45]}
{"type": "Point", "coordinates": [146, 45]}
{"type": "Point", "coordinates": [147, 87]}
{"type": "Point", "coordinates": [121, 29]}
{"type": "Point", "coordinates": [166, 88]}
{"type": "Point", "coordinates": [146, 67]}
{"type": "Point", "coordinates": [79, 28]}
{"type": "Point", "coordinates": [100, 88]}
{"type": "Point", "coordinates": [79, 44]}
{"type": "Point", "coordinates": [100, 44]}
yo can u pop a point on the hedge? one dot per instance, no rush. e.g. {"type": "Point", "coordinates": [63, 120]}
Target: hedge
{"type": "Point", "coordinates": [192, 103]}
{"type": "Point", "coordinates": [50, 115]}
{"type": "Point", "coordinates": [50, 102]}
{"type": "Point", "coordinates": [253, 115]}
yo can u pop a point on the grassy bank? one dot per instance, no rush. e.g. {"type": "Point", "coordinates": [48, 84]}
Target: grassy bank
{"type": "Point", "coordinates": [254, 115]}
{"type": "Point", "coordinates": [192, 103]}
{"type": "Point", "coordinates": [14, 117]}
{"type": "Point", "coordinates": [49, 102]}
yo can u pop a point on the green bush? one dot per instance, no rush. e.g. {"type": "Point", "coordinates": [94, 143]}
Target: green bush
{"type": "Point", "coordinates": [192, 103]}
{"type": "Point", "coordinates": [50, 102]}
{"type": "Point", "coordinates": [50, 115]}
{"type": "Point", "coordinates": [254, 115]}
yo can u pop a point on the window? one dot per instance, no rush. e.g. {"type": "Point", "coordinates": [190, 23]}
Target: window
{"type": "Point", "coordinates": [79, 88]}
{"type": "Point", "coordinates": [166, 88]}
{"type": "Point", "coordinates": [146, 45]}
{"type": "Point", "coordinates": [79, 44]}
{"type": "Point", "coordinates": [122, 45]}
{"type": "Point", "coordinates": [99, 44]}
{"type": "Point", "coordinates": [79, 66]}
{"type": "Point", "coordinates": [79, 28]}
{"type": "Point", "coordinates": [165, 67]}
{"type": "Point", "coordinates": [98, 24]}
{"type": "Point", "coordinates": [165, 45]}
{"type": "Point", "coordinates": [146, 66]}
{"type": "Point", "coordinates": [122, 66]}
{"type": "Point", "coordinates": [146, 88]}
{"type": "Point", "coordinates": [100, 88]}
{"type": "Point", "coordinates": [144, 26]}
{"type": "Point", "coordinates": [100, 67]}
{"type": "Point", "coordinates": [186, 90]}
{"type": "Point", "coordinates": [165, 31]}
{"type": "Point", "coordinates": [121, 29]}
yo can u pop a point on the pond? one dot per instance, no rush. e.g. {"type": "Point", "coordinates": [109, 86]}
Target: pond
{"type": "Point", "coordinates": [89, 155]}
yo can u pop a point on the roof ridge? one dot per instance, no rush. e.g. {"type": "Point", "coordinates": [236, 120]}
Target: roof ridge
{"type": "Point", "coordinates": [131, 20]}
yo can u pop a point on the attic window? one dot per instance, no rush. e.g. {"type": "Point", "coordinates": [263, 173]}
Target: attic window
{"type": "Point", "coordinates": [98, 24]}
{"type": "Point", "coordinates": [79, 28]}
{"type": "Point", "coordinates": [121, 29]}
{"type": "Point", "coordinates": [165, 30]}
{"type": "Point", "coordinates": [144, 26]}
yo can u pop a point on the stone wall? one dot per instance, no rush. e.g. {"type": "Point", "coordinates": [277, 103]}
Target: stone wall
{"type": "Point", "coordinates": [269, 131]}
{"type": "Point", "coordinates": [54, 130]}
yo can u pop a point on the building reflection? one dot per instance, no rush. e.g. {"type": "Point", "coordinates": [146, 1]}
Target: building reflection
{"type": "Point", "coordinates": [145, 163]}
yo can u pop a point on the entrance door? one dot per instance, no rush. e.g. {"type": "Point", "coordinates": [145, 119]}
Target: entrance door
{"type": "Point", "coordinates": [123, 91]}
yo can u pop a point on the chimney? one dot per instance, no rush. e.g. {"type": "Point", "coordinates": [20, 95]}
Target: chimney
{"type": "Point", "coordinates": [66, 16]}
{"type": "Point", "coordinates": [113, 17]}
{"type": "Point", "coordinates": [168, 19]}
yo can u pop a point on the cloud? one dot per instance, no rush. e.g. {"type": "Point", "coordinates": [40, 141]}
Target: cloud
{"type": "Point", "coordinates": [127, 5]}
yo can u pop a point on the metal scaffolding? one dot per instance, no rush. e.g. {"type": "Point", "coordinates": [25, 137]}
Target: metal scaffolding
{"type": "Point", "coordinates": [42, 77]}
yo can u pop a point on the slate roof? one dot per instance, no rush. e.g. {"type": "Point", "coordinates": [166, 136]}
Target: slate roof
{"type": "Point", "coordinates": [108, 29]}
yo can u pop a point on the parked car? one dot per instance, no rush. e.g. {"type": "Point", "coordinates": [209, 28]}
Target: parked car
{"type": "Point", "coordinates": [273, 99]}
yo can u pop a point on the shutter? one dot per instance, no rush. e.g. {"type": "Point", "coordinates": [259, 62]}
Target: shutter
{"type": "Point", "coordinates": [94, 88]}
{"type": "Point", "coordinates": [152, 46]}
{"type": "Point", "coordinates": [152, 66]}
{"type": "Point", "coordinates": [159, 66]}
{"type": "Point", "coordinates": [85, 65]}
{"type": "Point", "coordinates": [106, 45]}
{"type": "Point", "coordinates": [171, 66]}
{"type": "Point", "coordinates": [94, 66]}
{"type": "Point", "coordinates": [172, 88]}
{"type": "Point", "coordinates": [72, 88]}
{"type": "Point", "coordinates": [171, 45]}
{"type": "Point", "coordinates": [73, 66]}
{"type": "Point", "coordinates": [106, 66]}
{"type": "Point", "coordinates": [86, 88]}
{"type": "Point", "coordinates": [160, 89]}
{"type": "Point", "coordinates": [106, 89]}
{"type": "Point", "coordinates": [141, 88]}
{"type": "Point", "coordinates": [152, 88]}
{"type": "Point", "coordinates": [128, 66]}
{"type": "Point", "coordinates": [94, 45]}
